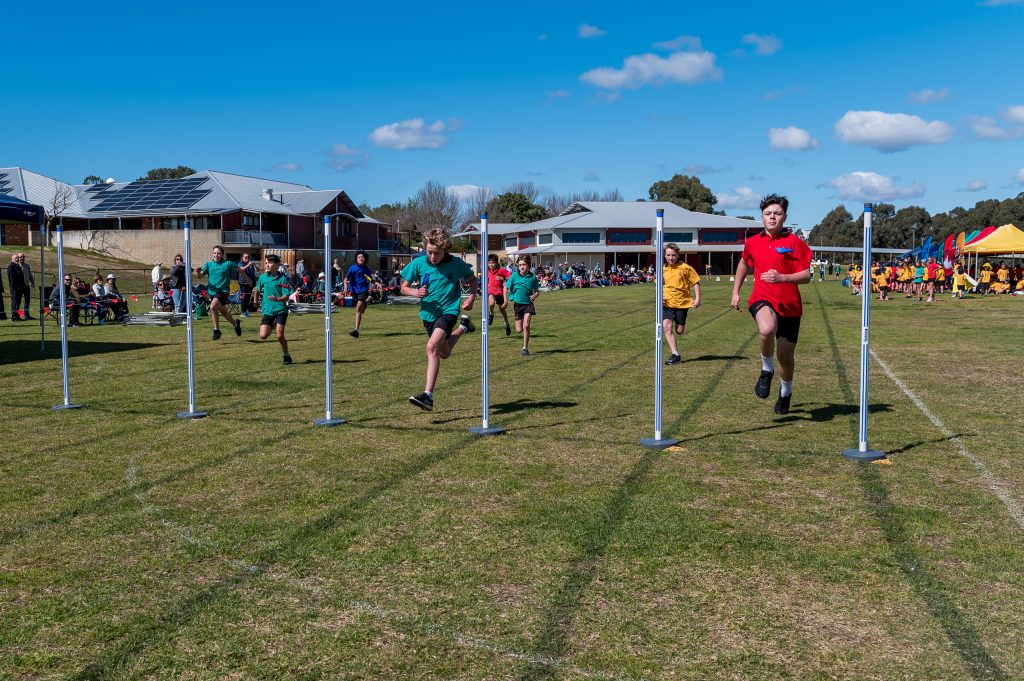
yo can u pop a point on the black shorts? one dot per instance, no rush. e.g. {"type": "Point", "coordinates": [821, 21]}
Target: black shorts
{"type": "Point", "coordinates": [499, 299]}
{"type": "Point", "coordinates": [445, 321]}
{"type": "Point", "coordinates": [883, 288]}
{"type": "Point", "coordinates": [785, 327]}
{"type": "Point", "coordinates": [273, 319]}
{"type": "Point", "coordinates": [222, 297]}
{"type": "Point", "coordinates": [524, 309]}
{"type": "Point", "coordinates": [360, 297]}
{"type": "Point", "coordinates": [676, 314]}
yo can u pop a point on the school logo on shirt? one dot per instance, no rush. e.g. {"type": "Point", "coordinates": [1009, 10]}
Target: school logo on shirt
{"type": "Point", "coordinates": [783, 249]}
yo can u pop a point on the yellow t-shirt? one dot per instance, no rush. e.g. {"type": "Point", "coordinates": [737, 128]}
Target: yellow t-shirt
{"type": "Point", "coordinates": [940, 274]}
{"type": "Point", "coordinates": [1003, 275]}
{"type": "Point", "coordinates": [858, 275]}
{"type": "Point", "coordinates": [960, 280]}
{"type": "Point", "coordinates": [676, 285]}
{"type": "Point", "coordinates": [986, 276]}
{"type": "Point", "coordinates": [882, 279]}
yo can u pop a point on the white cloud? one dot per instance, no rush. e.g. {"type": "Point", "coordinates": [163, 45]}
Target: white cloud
{"type": "Point", "coordinates": [987, 128]}
{"type": "Point", "coordinates": [763, 44]}
{"type": "Point", "coordinates": [890, 131]}
{"type": "Point", "coordinates": [412, 134]}
{"type": "Point", "coordinates": [464, 192]}
{"type": "Point", "coordinates": [344, 158]}
{"type": "Point", "coordinates": [288, 167]}
{"type": "Point", "coordinates": [688, 42]}
{"type": "Point", "coordinates": [1020, 176]}
{"type": "Point", "coordinates": [791, 138]}
{"type": "Point", "coordinates": [587, 31]}
{"type": "Point", "coordinates": [704, 169]}
{"type": "Point", "coordinates": [974, 186]}
{"type": "Point", "coordinates": [927, 96]}
{"type": "Point", "coordinates": [591, 177]}
{"type": "Point", "coordinates": [542, 36]}
{"type": "Point", "coordinates": [646, 69]}
{"type": "Point", "coordinates": [558, 94]}
{"type": "Point", "coordinates": [864, 186]}
{"type": "Point", "coordinates": [742, 197]}
{"type": "Point", "coordinates": [997, 3]}
{"type": "Point", "coordinates": [1013, 114]}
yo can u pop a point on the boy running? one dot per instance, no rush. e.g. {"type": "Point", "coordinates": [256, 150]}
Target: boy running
{"type": "Point", "coordinates": [358, 279]}
{"type": "Point", "coordinates": [220, 273]}
{"type": "Point", "coordinates": [273, 289]}
{"type": "Point", "coordinates": [780, 261]}
{"type": "Point", "coordinates": [438, 277]}
{"type": "Point", "coordinates": [677, 280]}
{"type": "Point", "coordinates": [496, 278]}
{"type": "Point", "coordinates": [522, 288]}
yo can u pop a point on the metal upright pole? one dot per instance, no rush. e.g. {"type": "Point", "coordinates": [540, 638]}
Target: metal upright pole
{"type": "Point", "coordinates": [42, 285]}
{"type": "Point", "coordinates": [658, 442]}
{"type": "Point", "coordinates": [485, 428]}
{"type": "Point", "coordinates": [328, 419]}
{"type": "Point", "coordinates": [67, 404]}
{"type": "Point", "coordinates": [191, 413]}
{"type": "Point", "coordinates": [861, 452]}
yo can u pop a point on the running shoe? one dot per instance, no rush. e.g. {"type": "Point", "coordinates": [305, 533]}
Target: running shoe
{"type": "Point", "coordinates": [467, 323]}
{"type": "Point", "coordinates": [287, 359]}
{"type": "Point", "coordinates": [782, 405]}
{"type": "Point", "coordinates": [508, 331]}
{"type": "Point", "coordinates": [674, 359]}
{"type": "Point", "coordinates": [238, 328]}
{"type": "Point", "coordinates": [526, 352]}
{"type": "Point", "coordinates": [763, 387]}
{"type": "Point", "coordinates": [216, 334]}
{"type": "Point", "coordinates": [423, 401]}
{"type": "Point", "coordinates": [490, 318]}
{"type": "Point", "coordinates": [354, 333]}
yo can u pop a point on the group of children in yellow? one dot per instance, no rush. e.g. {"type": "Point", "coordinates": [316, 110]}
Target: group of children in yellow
{"type": "Point", "coordinates": [924, 279]}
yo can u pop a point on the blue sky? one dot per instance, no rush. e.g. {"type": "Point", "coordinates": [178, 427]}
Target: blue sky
{"type": "Point", "coordinates": [826, 102]}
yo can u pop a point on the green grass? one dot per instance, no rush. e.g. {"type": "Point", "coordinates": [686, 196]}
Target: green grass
{"type": "Point", "coordinates": [253, 545]}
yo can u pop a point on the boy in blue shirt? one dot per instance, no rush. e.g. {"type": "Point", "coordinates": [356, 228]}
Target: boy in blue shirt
{"type": "Point", "coordinates": [357, 280]}
{"type": "Point", "coordinates": [522, 288]}
{"type": "Point", "coordinates": [220, 273]}
{"type": "Point", "coordinates": [273, 289]}
{"type": "Point", "coordinates": [437, 278]}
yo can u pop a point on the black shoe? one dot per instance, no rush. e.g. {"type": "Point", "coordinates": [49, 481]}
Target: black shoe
{"type": "Point", "coordinates": [490, 318]}
{"type": "Point", "coordinates": [354, 333]}
{"type": "Point", "coordinates": [782, 405]}
{"type": "Point", "coordinates": [216, 334]}
{"type": "Point", "coordinates": [508, 331]}
{"type": "Point", "coordinates": [467, 323]}
{"type": "Point", "coordinates": [238, 328]}
{"type": "Point", "coordinates": [287, 359]}
{"type": "Point", "coordinates": [526, 352]}
{"type": "Point", "coordinates": [15, 318]}
{"type": "Point", "coordinates": [423, 401]}
{"type": "Point", "coordinates": [674, 359]}
{"type": "Point", "coordinates": [763, 387]}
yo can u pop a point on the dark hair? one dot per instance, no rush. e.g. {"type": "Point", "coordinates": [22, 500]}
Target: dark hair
{"type": "Point", "coordinates": [273, 257]}
{"type": "Point", "coordinates": [492, 258]}
{"type": "Point", "coordinates": [218, 246]}
{"type": "Point", "coordinates": [775, 199]}
{"type": "Point", "coordinates": [362, 253]}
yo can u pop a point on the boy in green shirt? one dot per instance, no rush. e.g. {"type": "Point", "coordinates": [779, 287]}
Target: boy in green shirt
{"type": "Point", "coordinates": [437, 279]}
{"type": "Point", "coordinates": [220, 273]}
{"type": "Point", "coordinates": [522, 288]}
{"type": "Point", "coordinates": [273, 289]}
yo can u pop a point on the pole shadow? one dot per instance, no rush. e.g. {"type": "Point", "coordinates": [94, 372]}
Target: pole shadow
{"type": "Point", "coordinates": [523, 404]}
{"type": "Point", "coordinates": [713, 358]}
{"type": "Point", "coordinates": [16, 351]}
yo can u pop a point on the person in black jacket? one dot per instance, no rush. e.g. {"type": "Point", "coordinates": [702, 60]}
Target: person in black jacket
{"type": "Point", "coordinates": [69, 299]}
{"type": "Point", "coordinates": [177, 283]}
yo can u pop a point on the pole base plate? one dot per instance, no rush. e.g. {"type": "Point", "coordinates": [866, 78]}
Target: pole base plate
{"type": "Point", "coordinates": [329, 422]}
{"type": "Point", "coordinates": [655, 443]}
{"type": "Point", "coordinates": [490, 430]}
{"type": "Point", "coordinates": [868, 455]}
{"type": "Point", "coordinates": [59, 407]}
{"type": "Point", "coordinates": [192, 414]}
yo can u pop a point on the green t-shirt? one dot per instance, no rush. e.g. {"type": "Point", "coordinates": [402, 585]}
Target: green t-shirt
{"type": "Point", "coordinates": [520, 287]}
{"type": "Point", "coordinates": [220, 275]}
{"type": "Point", "coordinates": [443, 291]}
{"type": "Point", "coordinates": [273, 285]}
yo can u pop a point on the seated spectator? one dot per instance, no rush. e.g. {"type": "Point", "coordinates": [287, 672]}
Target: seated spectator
{"type": "Point", "coordinates": [97, 287]}
{"type": "Point", "coordinates": [70, 301]}
{"type": "Point", "coordinates": [114, 298]}
{"type": "Point", "coordinates": [162, 299]}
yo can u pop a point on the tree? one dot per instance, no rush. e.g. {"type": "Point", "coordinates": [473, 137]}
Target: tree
{"type": "Point", "coordinates": [685, 191]}
{"type": "Point", "coordinates": [93, 179]}
{"type": "Point", "coordinates": [167, 173]}
{"type": "Point", "coordinates": [435, 206]}
{"type": "Point", "coordinates": [556, 203]}
{"type": "Point", "coordinates": [513, 207]}
{"type": "Point", "coordinates": [63, 197]}
{"type": "Point", "coordinates": [836, 229]}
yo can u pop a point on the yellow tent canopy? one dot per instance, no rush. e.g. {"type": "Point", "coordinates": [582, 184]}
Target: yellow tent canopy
{"type": "Point", "coordinates": [1004, 241]}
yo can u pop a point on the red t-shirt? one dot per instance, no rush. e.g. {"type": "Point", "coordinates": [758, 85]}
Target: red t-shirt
{"type": "Point", "coordinates": [930, 269]}
{"type": "Point", "coordinates": [496, 286]}
{"type": "Point", "coordinates": [786, 253]}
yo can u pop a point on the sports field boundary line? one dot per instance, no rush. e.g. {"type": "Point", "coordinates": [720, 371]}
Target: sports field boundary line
{"type": "Point", "coordinates": [995, 485]}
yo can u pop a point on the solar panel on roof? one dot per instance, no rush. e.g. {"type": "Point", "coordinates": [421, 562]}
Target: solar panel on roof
{"type": "Point", "coordinates": [153, 195]}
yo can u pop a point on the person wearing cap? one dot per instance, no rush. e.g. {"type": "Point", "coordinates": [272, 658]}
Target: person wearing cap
{"type": "Point", "coordinates": [116, 300]}
{"type": "Point", "coordinates": [220, 272]}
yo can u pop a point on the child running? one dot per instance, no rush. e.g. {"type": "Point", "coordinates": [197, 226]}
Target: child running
{"type": "Point", "coordinates": [220, 273]}
{"type": "Point", "coordinates": [677, 280]}
{"type": "Point", "coordinates": [522, 288]}
{"type": "Point", "coordinates": [357, 280]}
{"type": "Point", "coordinates": [496, 278]}
{"type": "Point", "coordinates": [273, 289]}
{"type": "Point", "coordinates": [780, 261]}
{"type": "Point", "coordinates": [437, 277]}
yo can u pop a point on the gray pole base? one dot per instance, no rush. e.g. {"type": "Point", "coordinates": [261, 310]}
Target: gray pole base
{"type": "Point", "coordinates": [857, 455]}
{"type": "Point", "coordinates": [192, 414]}
{"type": "Point", "coordinates": [491, 430]}
{"type": "Point", "coordinates": [329, 422]}
{"type": "Point", "coordinates": [66, 406]}
{"type": "Point", "coordinates": [654, 443]}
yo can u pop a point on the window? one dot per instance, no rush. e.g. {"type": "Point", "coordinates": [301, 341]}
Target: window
{"type": "Point", "coordinates": [526, 241]}
{"type": "Point", "coordinates": [544, 239]}
{"type": "Point", "coordinates": [716, 237]}
{"type": "Point", "coordinates": [678, 237]}
{"type": "Point", "coordinates": [511, 242]}
{"type": "Point", "coordinates": [581, 237]}
{"type": "Point", "coordinates": [250, 220]}
{"type": "Point", "coordinates": [633, 236]}
{"type": "Point", "coordinates": [172, 223]}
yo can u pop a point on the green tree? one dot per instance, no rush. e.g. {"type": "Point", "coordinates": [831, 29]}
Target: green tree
{"type": "Point", "coordinates": [167, 173]}
{"type": "Point", "coordinates": [902, 228]}
{"type": "Point", "coordinates": [835, 229]}
{"type": "Point", "coordinates": [514, 207]}
{"type": "Point", "coordinates": [685, 191]}
{"type": "Point", "coordinates": [92, 179]}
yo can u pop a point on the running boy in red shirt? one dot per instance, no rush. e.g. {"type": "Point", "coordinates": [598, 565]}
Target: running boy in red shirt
{"type": "Point", "coordinates": [780, 261]}
{"type": "Point", "coordinates": [496, 278]}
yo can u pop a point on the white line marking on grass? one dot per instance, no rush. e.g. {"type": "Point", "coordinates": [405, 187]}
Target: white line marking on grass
{"type": "Point", "coordinates": [998, 487]}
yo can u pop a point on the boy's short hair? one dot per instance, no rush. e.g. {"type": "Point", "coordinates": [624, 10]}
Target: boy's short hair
{"type": "Point", "coordinates": [438, 237]}
{"type": "Point", "coordinates": [362, 253]}
{"type": "Point", "coordinates": [492, 258]}
{"type": "Point", "coordinates": [672, 245]}
{"type": "Point", "coordinates": [525, 257]}
{"type": "Point", "coordinates": [775, 199]}
{"type": "Point", "coordinates": [273, 257]}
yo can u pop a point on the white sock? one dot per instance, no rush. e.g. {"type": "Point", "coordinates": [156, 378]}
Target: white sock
{"type": "Point", "coordinates": [768, 364]}
{"type": "Point", "coordinates": [429, 393]}
{"type": "Point", "coordinates": [786, 388]}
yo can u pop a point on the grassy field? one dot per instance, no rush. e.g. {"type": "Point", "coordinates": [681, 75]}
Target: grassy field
{"type": "Point", "coordinates": [252, 545]}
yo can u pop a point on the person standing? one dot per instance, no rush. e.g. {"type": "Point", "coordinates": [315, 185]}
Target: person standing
{"type": "Point", "coordinates": [780, 262]}
{"type": "Point", "coordinates": [219, 274]}
{"type": "Point", "coordinates": [30, 283]}
{"type": "Point", "coordinates": [274, 288]}
{"type": "Point", "coordinates": [436, 280]}
{"type": "Point", "coordinates": [247, 276]}
{"type": "Point", "coordinates": [522, 288]}
{"type": "Point", "coordinates": [156, 275]}
{"type": "Point", "coordinates": [678, 278]}
{"type": "Point", "coordinates": [17, 285]}
{"type": "Point", "coordinates": [176, 276]}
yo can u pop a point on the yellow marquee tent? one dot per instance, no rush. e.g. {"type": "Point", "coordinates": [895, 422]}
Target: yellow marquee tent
{"type": "Point", "coordinates": [1005, 240]}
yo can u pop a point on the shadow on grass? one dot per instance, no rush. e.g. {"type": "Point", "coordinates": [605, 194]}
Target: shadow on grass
{"type": "Point", "coordinates": [333, 361]}
{"type": "Point", "coordinates": [914, 445]}
{"type": "Point", "coordinates": [562, 352]}
{"type": "Point", "coordinates": [16, 351]}
{"type": "Point", "coordinates": [523, 404]}
{"type": "Point", "coordinates": [964, 638]}
{"type": "Point", "coordinates": [829, 412]}
{"type": "Point", "coordinates": [712, 358]}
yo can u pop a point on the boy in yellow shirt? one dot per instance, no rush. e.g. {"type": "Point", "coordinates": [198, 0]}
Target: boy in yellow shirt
{"type": "Point", "coordinates": [959, 282]}
{"type": "Point", "coordinates": [678, 279]}
{"type": "Point", "coordinates": [881, 281]}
